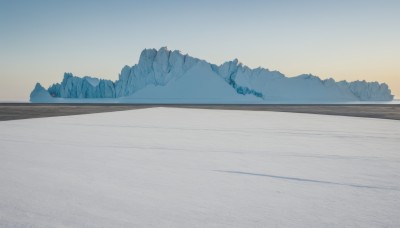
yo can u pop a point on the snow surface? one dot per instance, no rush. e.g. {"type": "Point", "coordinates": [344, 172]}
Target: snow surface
{"type": "Point", "coordinates": [198, 85]}
{"type": "Point", "coordinates": [164, 68]}
{"type": "Point", "coordinates": [167, 167]}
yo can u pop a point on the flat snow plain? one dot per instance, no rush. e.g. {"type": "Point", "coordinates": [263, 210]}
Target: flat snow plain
{"type": "Point", "coordinates": [171, 167]}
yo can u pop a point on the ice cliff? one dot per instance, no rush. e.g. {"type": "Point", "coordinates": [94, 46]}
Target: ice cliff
{"type": "Point", "coordinates": [86, 87]}
{"type": "Point", "coordinates": [165, 76]}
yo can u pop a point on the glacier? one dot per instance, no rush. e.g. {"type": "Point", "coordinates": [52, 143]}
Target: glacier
{"type": "Point", "coordinates": [165, 76]}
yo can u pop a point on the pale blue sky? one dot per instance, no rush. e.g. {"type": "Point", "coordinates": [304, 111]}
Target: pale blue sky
{"type": "Point", "coordinates": [40, 40]}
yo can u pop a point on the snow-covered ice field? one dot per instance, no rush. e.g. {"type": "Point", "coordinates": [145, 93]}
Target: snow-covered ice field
{"type": "Point", "coordinates": [170, 167]}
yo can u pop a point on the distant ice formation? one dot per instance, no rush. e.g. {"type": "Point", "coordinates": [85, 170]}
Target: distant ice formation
{"type": "Point", "coordinates": [166, 76]}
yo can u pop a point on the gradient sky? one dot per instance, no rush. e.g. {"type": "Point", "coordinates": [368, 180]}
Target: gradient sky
{"type": "Point", "coordinates": [348, 39]}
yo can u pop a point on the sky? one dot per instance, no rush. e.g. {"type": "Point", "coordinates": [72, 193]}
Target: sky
{"type": "Point", "coordinates": [342, 39]}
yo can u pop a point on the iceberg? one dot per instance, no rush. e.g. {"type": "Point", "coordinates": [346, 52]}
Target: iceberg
{"type": "Point", "coordinates": [40, 94]}
{"type": "Point", "coordinates": [164, 76]}
{"type": "Point", "coordinates": [86, 87]}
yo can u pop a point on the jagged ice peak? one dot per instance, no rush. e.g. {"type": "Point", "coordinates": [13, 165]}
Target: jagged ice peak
{"type": "Point", "coordinates": [164, 76]}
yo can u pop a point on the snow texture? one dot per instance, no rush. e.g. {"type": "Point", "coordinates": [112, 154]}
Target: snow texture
{"type": "Point", "coordinates": [158, 72]}
{"type": "Point", "coordinates": [165, 167]}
